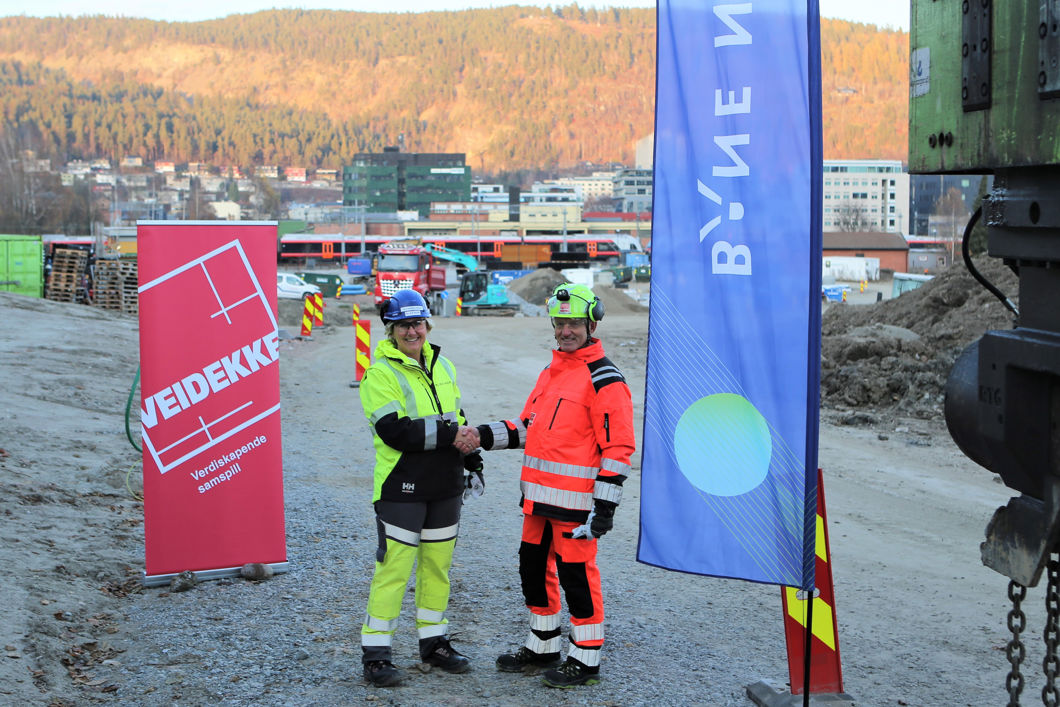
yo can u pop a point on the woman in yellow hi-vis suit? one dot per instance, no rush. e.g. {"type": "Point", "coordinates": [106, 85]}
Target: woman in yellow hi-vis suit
{"type": "Point", "coordinates": [422, 449]}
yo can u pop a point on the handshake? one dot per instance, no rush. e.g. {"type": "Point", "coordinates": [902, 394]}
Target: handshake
{"type": "Point", "coordinates": [467, 440]}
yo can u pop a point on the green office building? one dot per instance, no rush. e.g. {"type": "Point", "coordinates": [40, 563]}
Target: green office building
{"type": "Point", "coordinates": [389, 181]}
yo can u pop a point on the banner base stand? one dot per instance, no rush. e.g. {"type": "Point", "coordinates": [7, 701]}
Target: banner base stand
{"type": "Point", "coordinates": [765, 695]}
{"type": "Point", "coordinates": [157, 580]}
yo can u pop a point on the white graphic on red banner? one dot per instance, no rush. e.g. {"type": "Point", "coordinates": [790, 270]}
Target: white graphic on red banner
{"type": "Point", "coordinates": [222, 299]}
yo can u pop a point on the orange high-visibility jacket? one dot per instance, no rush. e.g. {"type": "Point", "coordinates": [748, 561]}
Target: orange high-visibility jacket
{"type": "Point", "coordinates": [577, 430]}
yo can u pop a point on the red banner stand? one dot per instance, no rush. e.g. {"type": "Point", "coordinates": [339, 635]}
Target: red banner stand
{"type": "Point", "coordinates": [210, 398]}
{"type": "Point", "coordinates": [826, 672]}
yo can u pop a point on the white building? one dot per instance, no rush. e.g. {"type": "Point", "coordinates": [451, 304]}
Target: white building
{"type": "Point", "coordinates": [599, 185]}
{"type": "Point", "coordinates": [226, 210]}
{"type": "Point", "coordinates": [866, 195]}
{"type": "Point", "coordinates": [633, 190]}
{"type": "Point", "coordinates": [493, 193]}
{"type": "Point", "coordinates": [550, 193]}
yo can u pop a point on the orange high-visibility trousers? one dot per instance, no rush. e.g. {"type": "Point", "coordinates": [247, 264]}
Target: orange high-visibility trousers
{"type": "Point", "coordinates": [549, 558]}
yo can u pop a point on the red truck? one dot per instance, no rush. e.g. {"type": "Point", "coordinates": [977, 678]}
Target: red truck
{"type": "Point", "coordinates": [407, 265]}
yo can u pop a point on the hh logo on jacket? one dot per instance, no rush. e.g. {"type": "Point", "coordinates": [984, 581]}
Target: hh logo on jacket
{"type": "Point", "coordinates": [407, 487]}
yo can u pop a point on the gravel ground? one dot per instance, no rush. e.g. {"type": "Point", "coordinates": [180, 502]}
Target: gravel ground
{"type": "Point", "coordinates": [921, 621]}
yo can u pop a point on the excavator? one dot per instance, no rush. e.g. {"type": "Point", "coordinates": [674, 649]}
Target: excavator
{"type": "Point", "coordinates": [479, 295]}
{"type": "Point", "coordinates": [409, 264]}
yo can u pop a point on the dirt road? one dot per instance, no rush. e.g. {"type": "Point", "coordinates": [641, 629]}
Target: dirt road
{"type": "Point", "coordinates": [921, 622]}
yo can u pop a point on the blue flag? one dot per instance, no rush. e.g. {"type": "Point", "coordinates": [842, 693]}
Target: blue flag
{"type": "Point", "coordinates": [729, 469]}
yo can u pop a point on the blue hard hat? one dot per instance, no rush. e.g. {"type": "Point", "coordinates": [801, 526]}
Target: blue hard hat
{"type": "Point", "coordinates": [404, 304]}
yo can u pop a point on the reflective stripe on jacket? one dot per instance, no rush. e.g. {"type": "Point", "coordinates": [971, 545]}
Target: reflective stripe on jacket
{"type": "Point", "coordinates": [414, 412]}
{"type": "Point", "coordinates": [579, 435]}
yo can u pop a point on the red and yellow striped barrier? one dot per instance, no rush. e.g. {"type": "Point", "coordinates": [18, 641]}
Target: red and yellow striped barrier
{"type": "Point", "coordinates": [459, 306]}
{"type": "Point", "coordinates": [307, 317]}
{"type": "Point", "coordinates": [318, 311]}
{"type": "Point", "coordinates": [363, 329]}
{"type": "Point", "coordinates": [826, 671]}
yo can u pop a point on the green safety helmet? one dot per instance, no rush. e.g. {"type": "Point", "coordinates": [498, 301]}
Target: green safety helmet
{"type": "Point", "coordinates": [572, 301]}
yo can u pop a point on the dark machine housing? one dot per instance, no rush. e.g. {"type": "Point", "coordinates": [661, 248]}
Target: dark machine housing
{"type": "Point", "coordinates": [985, 98]}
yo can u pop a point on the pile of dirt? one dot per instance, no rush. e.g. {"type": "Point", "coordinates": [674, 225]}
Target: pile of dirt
{"type": "Point", "coordinates": [893, 357]}
{"type": "Point", "coordinates": [536, 288]}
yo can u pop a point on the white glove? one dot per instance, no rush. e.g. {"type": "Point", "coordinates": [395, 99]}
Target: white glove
{"type": "Point", "coordinates": [583, 531]}
{"type": "Point", "coordinates": [474, 485]}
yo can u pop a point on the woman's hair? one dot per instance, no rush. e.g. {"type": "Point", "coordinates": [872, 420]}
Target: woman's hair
{"type": "Point", "coordinates": [389, 329]}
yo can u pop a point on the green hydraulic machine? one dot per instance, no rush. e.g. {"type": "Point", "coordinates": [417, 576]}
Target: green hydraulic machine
{"type": "Point", "coordinates": [985, 98]}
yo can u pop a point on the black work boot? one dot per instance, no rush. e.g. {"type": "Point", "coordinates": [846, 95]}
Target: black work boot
{"type": "Point", "coordinates": [441, 654]}
{"type": "Point", "coordinates": [381, 673]}
{"type": "Point", "coordinates": [571, 674]}
{"type": "Point", "coordinates": [525, 660]}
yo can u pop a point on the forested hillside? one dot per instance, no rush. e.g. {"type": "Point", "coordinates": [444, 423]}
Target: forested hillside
{"type": "Point", "coordinates": [512, 87]}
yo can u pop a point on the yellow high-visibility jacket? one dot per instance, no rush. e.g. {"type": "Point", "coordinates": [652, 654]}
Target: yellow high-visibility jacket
{"type": "Point", "coordinates": [415, 413]}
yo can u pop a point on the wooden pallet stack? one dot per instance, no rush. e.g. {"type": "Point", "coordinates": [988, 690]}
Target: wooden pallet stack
{"type": "Point", "coordinates": [66, 279]}
{"type": "Point", "coordinates": [115, 285]}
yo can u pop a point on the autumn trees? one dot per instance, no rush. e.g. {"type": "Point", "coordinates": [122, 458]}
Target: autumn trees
{"type": "Point", "coordinates": [514, 87]}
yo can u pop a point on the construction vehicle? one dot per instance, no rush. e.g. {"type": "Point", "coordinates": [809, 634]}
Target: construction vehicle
{"type": "Point", "coordinates": [406, 265]}
{"type": "Point", "coordinates": [454, 256]}
{"type": "Point", "coordinates": [984, 83]}
{"type": "Point", "coordinates": [479, 295]}
{"type": "Point", "coordinates": [409, 264]}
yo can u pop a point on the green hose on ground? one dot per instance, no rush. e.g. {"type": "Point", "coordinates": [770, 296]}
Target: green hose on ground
{"type": "Point", "coordinates": [128, 433]}
{"type": "Point", "coordinates": [128, 407]}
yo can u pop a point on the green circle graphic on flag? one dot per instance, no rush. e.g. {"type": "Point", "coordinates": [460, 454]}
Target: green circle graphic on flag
{"type": "Point", "coordinates": [723, 445]}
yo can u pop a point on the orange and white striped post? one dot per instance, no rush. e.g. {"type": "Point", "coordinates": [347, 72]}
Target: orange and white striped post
{"type": "Point", "coordinates": [307, 317]}
{"type": "Point", "coordinates": [825, 667]}
{"type": "Point", "coordinates": [318, 312]}
{"type": "Point", "coordinates": [459, 306]}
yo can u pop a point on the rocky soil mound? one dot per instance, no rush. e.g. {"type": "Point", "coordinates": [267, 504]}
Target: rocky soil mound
{"type": "Point", "coordinates": [892, 357]}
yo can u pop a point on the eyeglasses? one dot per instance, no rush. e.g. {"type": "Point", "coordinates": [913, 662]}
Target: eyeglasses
{"type": "Point", "coordinates": [565, 323]}
{"type": "Point", "coordinates": [410, 324]}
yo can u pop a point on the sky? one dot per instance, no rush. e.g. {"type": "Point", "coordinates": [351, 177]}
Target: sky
{"type": "Point", "coordinates": [885, 13]}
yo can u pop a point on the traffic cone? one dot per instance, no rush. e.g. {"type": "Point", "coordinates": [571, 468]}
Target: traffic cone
{"type": "Point", "coordinates": [810, 617]}
{"type": "Point", "coordinates": [826, 672]}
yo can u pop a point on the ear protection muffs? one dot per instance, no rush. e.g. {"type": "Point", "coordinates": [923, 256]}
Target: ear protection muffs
{"type": "Point", "coordinates": [382, 310]}
{"type": "Point", "coordinates": [595, 308]}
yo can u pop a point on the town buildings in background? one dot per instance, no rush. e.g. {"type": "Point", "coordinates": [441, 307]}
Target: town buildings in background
{"type": "Point", "coordinates": [392, 180]}
{"type": "Point", "coordinates": [394, 187]}
{"type": "Point", "coordinates": [866, 195]}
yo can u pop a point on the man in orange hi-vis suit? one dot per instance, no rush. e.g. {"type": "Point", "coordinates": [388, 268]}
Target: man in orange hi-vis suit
{"type": "Point", "coordinates": [577, 432]}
